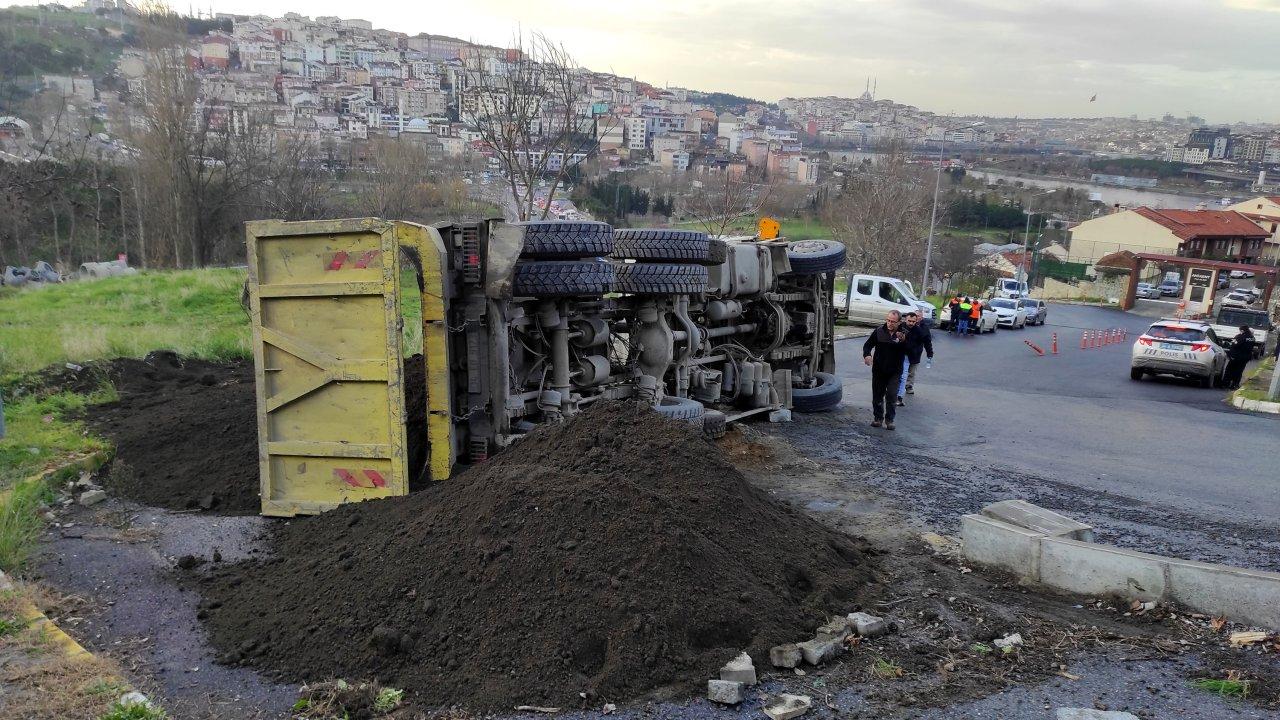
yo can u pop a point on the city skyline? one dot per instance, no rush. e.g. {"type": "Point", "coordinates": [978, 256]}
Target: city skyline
{"type": "Point", "coordinates": [958, 59]}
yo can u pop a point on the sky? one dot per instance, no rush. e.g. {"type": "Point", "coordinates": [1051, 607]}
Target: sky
{"type": "Point", "coordinates": [1213, 58]}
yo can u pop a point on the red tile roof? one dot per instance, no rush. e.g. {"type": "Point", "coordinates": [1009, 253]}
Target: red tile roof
{"type": "Point", "coordinates": [1194, 224]}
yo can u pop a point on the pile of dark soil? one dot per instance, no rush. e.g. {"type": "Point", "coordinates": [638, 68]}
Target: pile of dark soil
{"type": "Point", "coordinates": [185, 432]}
{"type": "Point", "coordinates": [617, 554]}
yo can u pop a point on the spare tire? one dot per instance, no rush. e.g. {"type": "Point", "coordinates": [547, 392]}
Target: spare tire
{"type": "Point", "coordinates": [558, 239]}
{"type": "Point", "coordinates": [659, 244]}
{"type": "Point", "coordinates": [678, 408]}
{"type": "Point", "coordinates": [660, 278]}
{"type": "Point", "coordinates": [562, 278]}
{"type": "Point", "coordinates": [811, 257]}
{"type": "Point", "coordinates": [819, 398]}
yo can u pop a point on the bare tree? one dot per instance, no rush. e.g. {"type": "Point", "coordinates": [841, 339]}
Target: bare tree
{"type": "Point", "coordinates": [724, 198]}
{"type": "Point", "coordinates": [527, 103]}
{"type": "Point", "coordinates": [882, 216]}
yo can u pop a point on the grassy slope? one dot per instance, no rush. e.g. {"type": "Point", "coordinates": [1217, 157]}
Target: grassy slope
{"type": "Point", "coordinates": [193, 312]}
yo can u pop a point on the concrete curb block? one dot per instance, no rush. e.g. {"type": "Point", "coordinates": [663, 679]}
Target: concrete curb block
{"type": "Point", "coordinates": [1263, 406]}
{"type": "Point", "coordinates": [1087, 568]}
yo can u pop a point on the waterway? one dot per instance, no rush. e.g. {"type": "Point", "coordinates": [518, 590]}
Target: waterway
{"type": "Point", "coordinates": [1109, 194]}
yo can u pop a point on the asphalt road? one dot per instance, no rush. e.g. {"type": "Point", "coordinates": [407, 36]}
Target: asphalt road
{"type": "Point", "coordinates": [1161, 464]}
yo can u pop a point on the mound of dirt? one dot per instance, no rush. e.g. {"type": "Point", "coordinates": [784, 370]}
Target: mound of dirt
{"type": "Point", "coordinates": [617, 554]}
{"type": "Point", "coordinates": [185, 432]}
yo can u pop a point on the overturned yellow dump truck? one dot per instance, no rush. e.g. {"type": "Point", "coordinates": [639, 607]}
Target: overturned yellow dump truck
{"type": "Point", "coordinates": [387, 353]}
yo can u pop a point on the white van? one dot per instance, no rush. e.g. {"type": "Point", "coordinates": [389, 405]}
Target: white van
{"type": "Point", "coordinates": [1008, 288]}
{"type": "Point", "coordinates": [870, 297]}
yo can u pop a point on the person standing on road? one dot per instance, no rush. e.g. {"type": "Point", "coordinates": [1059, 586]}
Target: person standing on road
{"type": "Point", "coordinates": [954, 307]}
{"type": "Point", "coordinates": [884, 351]}
{"type": "Point", "coordinates": [975, 318]}
{"type": "Point", "coordinates": [966, 305]}
{"type": "Point", "coordinates": [919, 342]}
{"type": "Point", "coordinates": [1238, 356]}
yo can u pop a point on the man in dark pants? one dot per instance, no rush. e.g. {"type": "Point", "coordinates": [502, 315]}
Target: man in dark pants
{"type": "Point", "coordinates": [1238, 355]}
{"type": "Point", "coordinates": [919, 342]}
{"type": "Point", "coordinates": [884, 351]}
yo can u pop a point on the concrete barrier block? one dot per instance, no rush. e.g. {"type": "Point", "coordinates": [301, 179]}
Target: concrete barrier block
{"type": "Point", "coordinates": [1037, 519]}
{"type": "Point", "coordinates": [1247, 596]}
{"type": "Point", "coordinates": [999, 544]}
{"type": "Point", "coordinates": [1089, 569]}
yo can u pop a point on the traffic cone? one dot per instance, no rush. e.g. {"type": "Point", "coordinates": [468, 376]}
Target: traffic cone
{"type": "Point", "coordinates": [1055, 343]}
{"type": "Point", "coordinates": [1084, 340]}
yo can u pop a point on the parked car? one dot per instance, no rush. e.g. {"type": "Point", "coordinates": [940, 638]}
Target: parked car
{"type": "Point", "coordinates": [987, 323]}
{"type": "Point", "coordinates": [1238, 299]}
{"type": "Point", "coordinates": [1238, 274]}
{"type": "Point", "coordinates": [1010, 311]}
{"type": "Point", "coordinates": [1147, 290]}
{"type": "Point", "coordinates": [872, 296]}
{"type": "Point", "coordinates": [1224, 282]}
{"type": "Point", "coordinates": [1170, 287]}
{"type": "Point", "coordinates": [1179, 347]}
{"type": "Point", "coordinates": [1256, 292]}
{"type": "Point", "coordinates": [1037, 311]}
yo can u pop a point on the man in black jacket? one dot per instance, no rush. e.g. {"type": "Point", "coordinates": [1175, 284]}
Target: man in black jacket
{"type": "Point", "coordinates": [919, 342]}
{"type": "Point", "coordinates": [884, 351]}
{"type": "Point", "coordinates": [1238, 356]}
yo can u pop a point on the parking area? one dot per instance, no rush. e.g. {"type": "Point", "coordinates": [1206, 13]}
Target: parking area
{"type": "Point", "coordinates": [1161, 458]}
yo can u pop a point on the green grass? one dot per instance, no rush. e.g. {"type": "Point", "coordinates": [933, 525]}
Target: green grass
{"type": "Point", "coordinates": [40, 431]}
{"type": "Point", "coordinates": [134, 711]}
{"type": "Point", "coordinates": [1227, 688]}
{"type": "Point", "coordinates": [20, 524]}
{"type": "Point", "coordinates": [194, 312]}
{"type": "Point", "coordinates": [1255, 387]}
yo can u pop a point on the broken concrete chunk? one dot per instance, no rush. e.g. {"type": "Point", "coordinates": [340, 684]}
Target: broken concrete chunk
{"type": "Point", "coordinates": [837, 628]}
{"type": "Point", "coordinates": [1091, 714]}
{"type": "Point", "coordinates": [92, 497]}
{"type": "Point", "coordinates": [739, 669]}
{"type": "Point", "coordinates": [785, 656]}
{"type": "Point", "coordinates": [1008, 641]}
{"type": "Point", "coordinates": [868, 625]}
{"type": "Point", "coordinates": [725, 692]}
{"type": "Point", "coordinates": [785, 707]}
{"type": "Point", "coordinates": [816, 652]}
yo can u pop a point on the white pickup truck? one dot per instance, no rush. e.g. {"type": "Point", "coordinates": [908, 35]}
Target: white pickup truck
{"type": "Point", "coordinates": [1227, 325]}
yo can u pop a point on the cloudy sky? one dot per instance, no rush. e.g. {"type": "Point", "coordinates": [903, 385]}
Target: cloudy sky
{"type": "Point", "coordinates": [1214, 58]}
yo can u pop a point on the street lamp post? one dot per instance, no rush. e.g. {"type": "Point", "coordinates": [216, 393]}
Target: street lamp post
{"type": "Point", "coordinates": [933, 214]}
{"type": "Point", "coordinates": [1024, 270]}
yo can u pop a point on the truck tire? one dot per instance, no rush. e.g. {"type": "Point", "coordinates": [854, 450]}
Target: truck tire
{"type": "Point", "coordinates": [550, 239]}
{"type": "Point", "coordinates": [562, 278]}
{"type": "Point", "coordinates": [812, 257]}
{"type": "Point", "coordinates": [713, 424]}
{"type": "Point", "coordinates": [660, 278]}
{"type": "Point", "coordinates": [678, 408]}
{"type": "Point", "coordinates": [717, 251]}
{"type": "Point", "coordinates": [825, 396]}
{"type": "Point", "coordinates": [654, 244]}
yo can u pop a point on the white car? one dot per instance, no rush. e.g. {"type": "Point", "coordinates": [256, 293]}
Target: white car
{"type": "Point", "coordinates": [1238, 299]}
{"type": "Point", "coordinates": [1237, 274]}
{"type": "Point", "coordinates": [1147, 290]}
{"type": "Point", "coordinates": [986, 323]}
{"type": "Point", "coordinates": [1010, 312]}
{"type": "Point", "coordinates": [1183, 348]}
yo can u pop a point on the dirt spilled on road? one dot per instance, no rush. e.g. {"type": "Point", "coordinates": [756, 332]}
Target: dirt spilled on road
{"type": "Point", "coordinates": [185, 430]}
{"type": "Point", "coordinates": [612, 556]}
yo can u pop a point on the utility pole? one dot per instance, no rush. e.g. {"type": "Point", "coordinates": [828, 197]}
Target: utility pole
{"type": "Point", "coordinates": [933, 214]}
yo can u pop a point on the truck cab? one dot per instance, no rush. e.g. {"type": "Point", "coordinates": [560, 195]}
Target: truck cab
{"type": "Point", "coordinates": [1229, 320]}
{"type": "Point", "coordinates": [1009, 288]}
